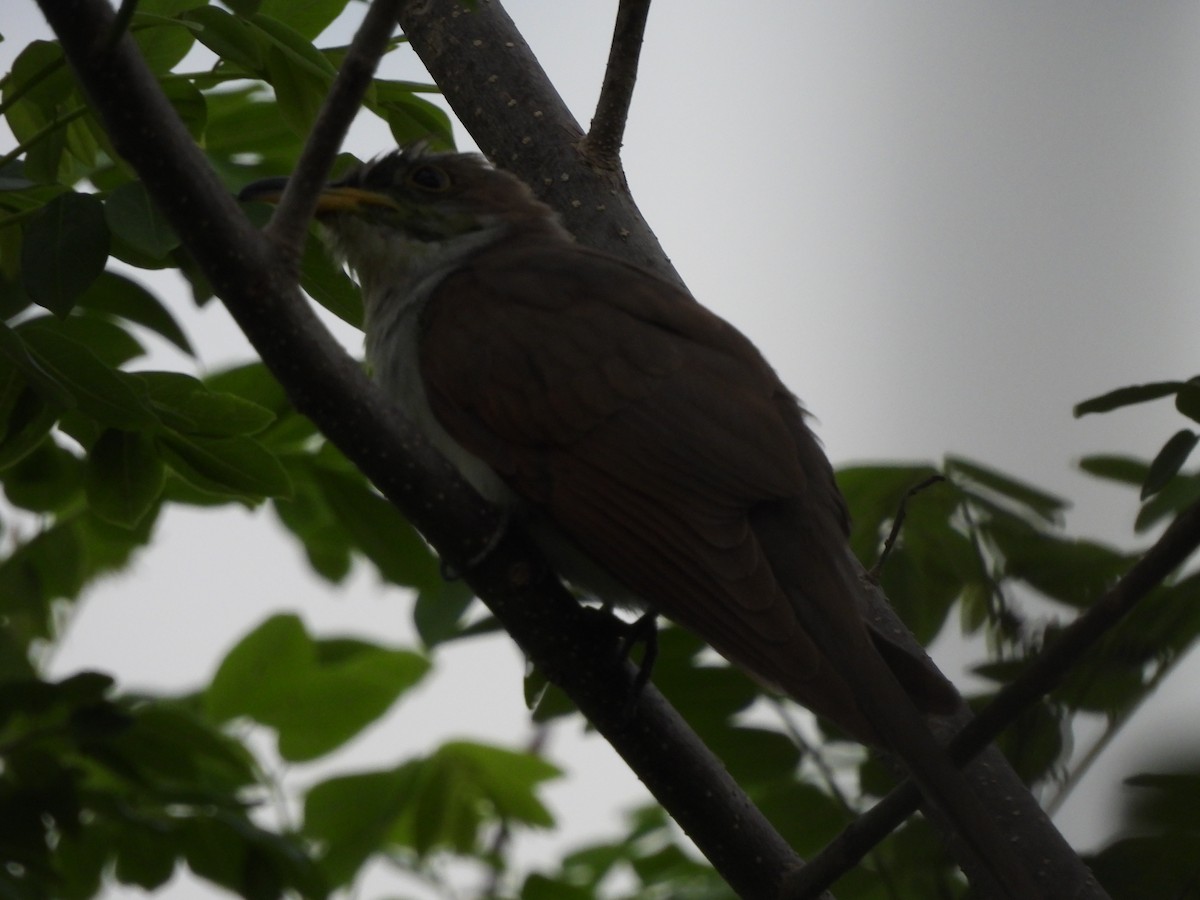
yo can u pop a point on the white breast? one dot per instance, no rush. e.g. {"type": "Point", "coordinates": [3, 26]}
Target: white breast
{"type": "Point", "coordinates": [403, 275]}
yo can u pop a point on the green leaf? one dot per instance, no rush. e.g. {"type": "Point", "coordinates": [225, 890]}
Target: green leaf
{"type": "Point", "coordinates": [47, 480]}
{"type": "Point", "coordinates": [230, 850]}
{"type": "Point", "coordinates": [352, 817]}
{"type": "Point", "coordinates": [123, 477]}
{"type": "Point", "coordinates": [506, 779]}
{"type": "Point", "coordinates": [378, 530]}
{"type": "Point", "coordinates": [544, 699]}
{"type": "Point", "coordinates": [1034, 743]}
{"type": "Point", "coordinates": [308, 17]}
{"type": "Point", "coordinates": [707, 696]}
{"type": "Point", "coordinates": [176, 745]}
{"type": "Point", "coordinates": [145, 856]}
{"type": "Point", "coordinates": [120, 296]}
{"type": "Point", "coordinates": [37, 91]}
{"type": "Point", "coordinates": [541, 887]}
{"type": "Point", "coordinates": [1187, 400]}
{"type": "Point", "coordinates": [187, 405]}
{"type": "Point", "coordinates": [308, 516]}
{"type": "Point", "coordinates": [1122, 469]}
{"type": "Point", "coordinates": [1177, 495]}
{"type": "Point", "coordinates": [102, 393]}
{"type": "Point", "coordinates": [132, 214]}
{"type": "Point", "coordinates": [298, 72]}
{"type": "Point", "coordinates": [1158, 865]}
{"type": "Point", "coordinates": [874, 495]}
{"type": "Point", "coordinates": [316, 694]}
{"type": "Point", "coordinates": [255, 383]}
{"type": "Point", "coordinates": [30, 421]}
{"type": "Point", "coordinates": [411, 118]}
{"type": "Point", "coordinates": [1075, 572]}
{"type": "Point", "coordinates": [50, 566]}
{"type": "Point", "coordinates": [225, 465]}
{"type": "Point", "coordinates": [294, 45]}
{"type": "Point", "coordinates": [1169, 461]}
{"type": "Point", "coordinates": [755, 756]}
{"type": "Point", "coordinates": [230, 37]}
{"type": "Point", "coordinates": [668, 865]}
{"type": "Point", "coordinates": [437, 802]}
{"type": "Point", "coordinates": [298, 92]}
{"type": "Point", "coordinates": [242, 122]}
{"type": "Point", "coordinates": [1127, 396]}
{"type": "Point", "coordinates": [807, 818]}
{"type": "Point", "coordinates": [64, 251]}
{"type": "Point", "coordinates": [112, 344]}
{"type": "Point", "coordinates": [933, 562]}
{"type": "Point", "coordinates": [439, 611]}
{"type": "Point", "coordinates": [109, 547]}
{"type": "Point", "coordinates": [1045, 505]}
{"type": "Point", "coordinates": [32, 371]}
{"type": "Point", "coordinates": [163, 42]}
{"type": "Point", "coordinates": [82, 858]}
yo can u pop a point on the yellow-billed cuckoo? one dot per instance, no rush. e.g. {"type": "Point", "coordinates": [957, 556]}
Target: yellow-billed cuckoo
{"type": "Point", "coordinates": [655, 455]}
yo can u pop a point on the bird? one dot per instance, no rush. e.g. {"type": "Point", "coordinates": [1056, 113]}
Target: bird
{"type": "Point", "coordinates": [653, 454]}
{"type": "Point", "coordinates": [656, 458]}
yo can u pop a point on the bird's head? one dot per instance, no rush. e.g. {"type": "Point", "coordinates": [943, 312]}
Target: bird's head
{"type": "Point", "coordinates": [400, 214]}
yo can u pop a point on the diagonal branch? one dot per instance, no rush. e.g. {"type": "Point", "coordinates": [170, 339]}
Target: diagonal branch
{"type": "Point", "coordinates": [603, 142]}
{"type": "Point", "coordinates": [502, 95]}
{"type": "Point", "coordinates": [299, 200]}
{"type": "Point", "coordinates": [1045, 672]}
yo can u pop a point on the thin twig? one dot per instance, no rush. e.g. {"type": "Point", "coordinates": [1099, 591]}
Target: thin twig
{"type": "Point", "coordinates": [120, 23]}
{"type": "Point", "coordinates": [26, 85]}
{"type": "Point", "coordinates": [299, 200]}
{"type": "Point", "coordinates": [898, 522]}
{"type": "Point", "coordinates": [1113, 729]}
{"type": "Point", "coordinates": [603, 142]}
{"type": "Point", "coordinates": [59, 121]}
{"type": "Point", "coordinates": [1040, 676]}
{"type": "Point", "coordinates": [498, 846]}
{"type": "Point", "coordinates": [999, 608]}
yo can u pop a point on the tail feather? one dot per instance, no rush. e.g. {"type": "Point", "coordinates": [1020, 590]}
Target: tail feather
{"type": "Point", "coordinates": [931, 693]}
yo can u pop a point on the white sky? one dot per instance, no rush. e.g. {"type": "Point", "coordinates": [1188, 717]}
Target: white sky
{"type": "Point", "coordinates": [944, 223]}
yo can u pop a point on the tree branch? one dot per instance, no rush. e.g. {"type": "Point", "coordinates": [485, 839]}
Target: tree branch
{"type": "Point", "coordinates": [603, 141]}
{"type": "Point", "coordinates": [502, 95]}
{"type": "Point", "coordinates": [1044, 673]}
{"type": "Point", "coordinates": [290, 219]}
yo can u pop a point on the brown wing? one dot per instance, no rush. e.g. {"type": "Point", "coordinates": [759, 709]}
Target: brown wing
{"type": "Point", "coordinates": [647, 429]}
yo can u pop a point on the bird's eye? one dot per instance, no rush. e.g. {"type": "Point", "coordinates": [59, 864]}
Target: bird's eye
{"type": "Point", "coordinates": [429, 178]}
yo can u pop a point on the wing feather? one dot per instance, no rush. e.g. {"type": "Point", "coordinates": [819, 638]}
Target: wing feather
{"type": "Point", "coordinates": [646, 429]}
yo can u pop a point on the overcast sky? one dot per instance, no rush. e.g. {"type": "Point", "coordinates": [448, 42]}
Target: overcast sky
{"type": "Point", "coordinates": [944, 223]}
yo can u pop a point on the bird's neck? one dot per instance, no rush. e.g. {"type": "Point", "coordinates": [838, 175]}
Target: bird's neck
{"type": "Point", "coordinates": [392, 267]}
{"type": "Point", "coordinates": [398, 276]}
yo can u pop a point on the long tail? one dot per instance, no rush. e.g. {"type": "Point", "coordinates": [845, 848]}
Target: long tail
{"type": "Point", "coordinates": [822, 583]}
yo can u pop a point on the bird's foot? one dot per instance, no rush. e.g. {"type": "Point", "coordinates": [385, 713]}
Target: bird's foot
{"type": "Point", "coordinates": [643, 630]}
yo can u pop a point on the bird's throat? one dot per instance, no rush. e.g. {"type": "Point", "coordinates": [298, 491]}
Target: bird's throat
{"type": "Point", "coordinates": [393, 306]}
